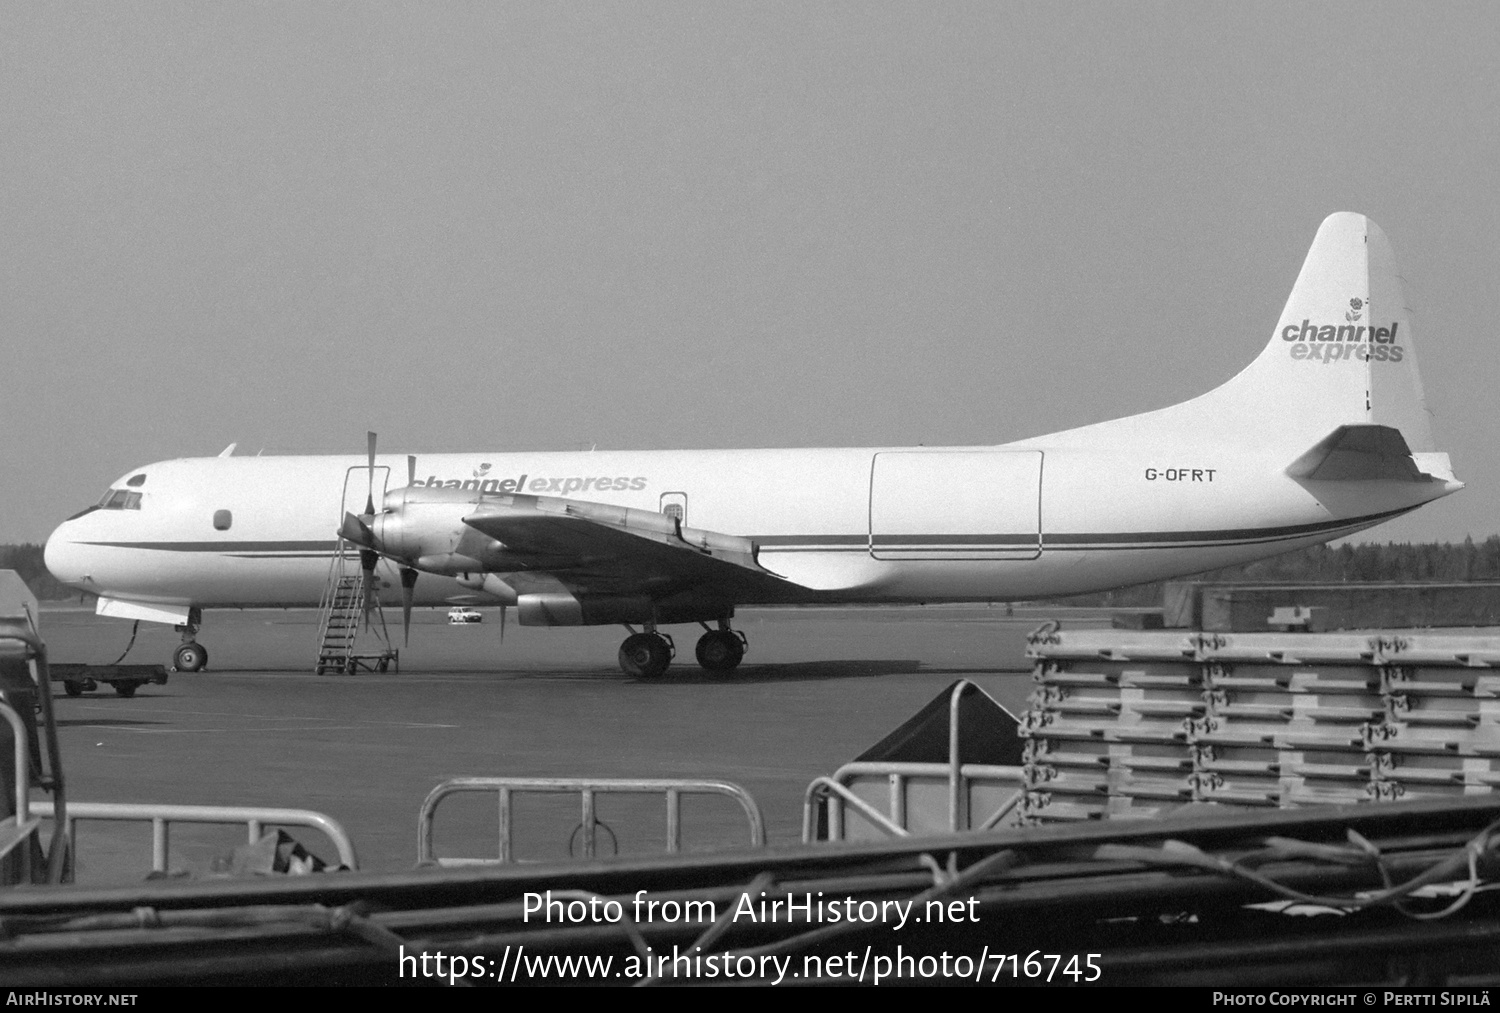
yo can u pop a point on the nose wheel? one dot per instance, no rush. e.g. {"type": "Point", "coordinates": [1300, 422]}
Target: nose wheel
{"type": "Point", "coordinates": [190, 656]}
{"type": "Point", "coordinates": [646, 655]}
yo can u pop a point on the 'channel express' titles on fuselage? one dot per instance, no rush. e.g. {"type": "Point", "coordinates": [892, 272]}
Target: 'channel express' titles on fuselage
{"type": "Point", "coordinates": [546, 486]}
{"type": "Point", "coordinates": [1345, 341]}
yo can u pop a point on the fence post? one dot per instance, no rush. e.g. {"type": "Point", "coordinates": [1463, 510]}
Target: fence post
{"type": "Point", "coordinates": [674, 821]}
{"type": "Point", "coordinates": [159, 844]}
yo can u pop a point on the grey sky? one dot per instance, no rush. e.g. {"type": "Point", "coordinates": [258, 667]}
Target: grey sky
{"type": "Point", "coordinates": [545, 226]}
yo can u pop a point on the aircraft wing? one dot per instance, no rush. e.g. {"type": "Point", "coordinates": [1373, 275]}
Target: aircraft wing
{"type": "Point", "coordinates": [596, 548]}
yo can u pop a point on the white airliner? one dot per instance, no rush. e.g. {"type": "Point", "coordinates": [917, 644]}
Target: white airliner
{"type": "Point", "coordinates": [1324, 434]}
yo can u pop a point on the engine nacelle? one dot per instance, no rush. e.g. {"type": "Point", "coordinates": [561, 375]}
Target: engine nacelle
{"type": "Point", "coordinates": [426, 528]}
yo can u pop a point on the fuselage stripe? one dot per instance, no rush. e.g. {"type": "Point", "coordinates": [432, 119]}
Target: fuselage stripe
{"type": "Point", "coordinates": [1053, 541]}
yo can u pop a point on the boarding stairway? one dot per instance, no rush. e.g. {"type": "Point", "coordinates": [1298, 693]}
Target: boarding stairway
{"type": "Point", "coordinates": [342, 614]}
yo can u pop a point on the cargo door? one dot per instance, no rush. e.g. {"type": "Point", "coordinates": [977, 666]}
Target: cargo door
{"type": "Point", "coordinates": [956, 504]}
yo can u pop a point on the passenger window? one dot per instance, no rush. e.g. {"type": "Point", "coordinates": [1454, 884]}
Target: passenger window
{"type": "Point", "coordinates": [222, 520]}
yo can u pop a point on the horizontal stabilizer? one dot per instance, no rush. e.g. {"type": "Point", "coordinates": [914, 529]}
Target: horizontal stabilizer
{"type": "Point", "coordinates": [1361, 453]}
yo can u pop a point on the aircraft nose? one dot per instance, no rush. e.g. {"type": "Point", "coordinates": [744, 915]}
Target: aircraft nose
{"type": "Point", "coordinates": [65, 557]}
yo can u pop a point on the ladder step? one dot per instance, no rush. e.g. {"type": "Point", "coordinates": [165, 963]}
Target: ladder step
{"type": "Point", "coordinates": [346, 608]}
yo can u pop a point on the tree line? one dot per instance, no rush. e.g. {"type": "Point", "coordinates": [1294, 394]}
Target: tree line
{"type": "Point", "coordinates": [26, 560]}
{"type": "Point", "coordinates": [1426, 562]}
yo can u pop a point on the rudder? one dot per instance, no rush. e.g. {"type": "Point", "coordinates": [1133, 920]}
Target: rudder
{"type": "Point", "coordinates": [1342, 351]}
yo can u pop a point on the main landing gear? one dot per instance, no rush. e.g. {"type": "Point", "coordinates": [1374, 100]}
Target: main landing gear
{"type": "Point", "coordinates": [721, 650]}
{"type": "Point", "coordinates": [191, 656]}
{"type": "Point", "coordinates": [647, 655]}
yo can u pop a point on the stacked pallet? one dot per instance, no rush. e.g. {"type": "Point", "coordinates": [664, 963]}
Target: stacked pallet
{"type": "Point", "coordinates": [1139, 723]}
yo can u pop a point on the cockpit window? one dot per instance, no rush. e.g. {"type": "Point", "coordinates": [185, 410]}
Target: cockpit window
{"type": "Point", "coordinates": [120, 499]}
{"type": "Point", "coordinates": [137, 480]}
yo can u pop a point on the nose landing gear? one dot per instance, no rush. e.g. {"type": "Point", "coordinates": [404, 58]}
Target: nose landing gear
{"type": "Point", "coordinates": [191, 656]}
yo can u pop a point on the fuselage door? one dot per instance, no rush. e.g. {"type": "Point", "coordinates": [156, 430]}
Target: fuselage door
{"type": "Point", "coordinates": [956, 504]}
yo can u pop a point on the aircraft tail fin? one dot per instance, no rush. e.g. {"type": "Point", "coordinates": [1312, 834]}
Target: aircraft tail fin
{"type": "Point", "coordinates": [1342, 353]}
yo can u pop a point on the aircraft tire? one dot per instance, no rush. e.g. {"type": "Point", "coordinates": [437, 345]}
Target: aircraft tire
{"type": "Point", "coordinates": [190, 657]}
{"type": "Point", "coordinates": [720, 651]}
{"type": "Point", "coordinates": [645, 656]}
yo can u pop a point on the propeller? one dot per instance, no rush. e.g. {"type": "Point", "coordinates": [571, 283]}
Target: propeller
{"type": "Point", "coordinates": [357, 530]}
{"type": "Point", "coordinates": [408, 592]}
{"type": "Point", "coordinates": [408, 574]}
{"type": "Point", "coordinates": [370, 495]}
{"type": "Point", "coordinates": [367, 555]}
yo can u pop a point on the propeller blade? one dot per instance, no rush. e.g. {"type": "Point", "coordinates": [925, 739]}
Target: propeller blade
{"type": "Point", "coordinates": [367, 559]}
{"type": "Point", "coordinates": [370, 498]}
{"type": "Point", "coordinates": [411, 469]}
{"type": "Point", "coordinates": [408, 592]}
{"type": "Point", "coordinates": [502, 624]}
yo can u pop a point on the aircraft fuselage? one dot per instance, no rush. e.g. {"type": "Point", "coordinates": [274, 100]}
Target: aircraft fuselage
{"type": "Point", "coordinates": [885, 525]}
